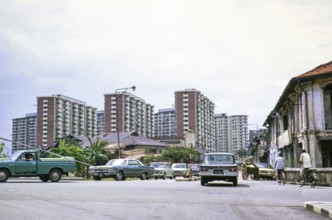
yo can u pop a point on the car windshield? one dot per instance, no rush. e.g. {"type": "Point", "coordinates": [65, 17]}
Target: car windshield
{"type": "Point", "coordinates": [116, 162]}
{"type": "Point", "coordinates": [194, 166]}
{"type": "Point", "coordinates": [179, 165]}
{"type": "Point", "coordinates": [158, 165]}
{"type": "Point", "coordinates": [262, 165]}
{"type": "Point", "coordinates": [219, 159]}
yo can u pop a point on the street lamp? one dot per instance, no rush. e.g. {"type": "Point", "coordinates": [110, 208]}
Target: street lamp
{"type": "Point", "coordinates": [116, 112]}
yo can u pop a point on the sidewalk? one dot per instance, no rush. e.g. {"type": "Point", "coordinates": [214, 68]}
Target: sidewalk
{"type": "Point", "coordinates": [322, 208]}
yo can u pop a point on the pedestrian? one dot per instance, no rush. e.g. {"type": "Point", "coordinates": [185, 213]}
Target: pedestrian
{"type": "Point", "coordinates": [279, 166]}
{"type": "Point", "coordinates": [244, 170]}
{"type": "Point", "coordinates": [305, 163]}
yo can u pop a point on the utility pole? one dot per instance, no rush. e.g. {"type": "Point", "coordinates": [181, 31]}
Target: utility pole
{"type": "Point", "coordinates": [190, 141]}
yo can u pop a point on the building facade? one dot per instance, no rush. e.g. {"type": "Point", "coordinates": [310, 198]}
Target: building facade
{"type": "Point", "coordinates": [100, 122]}
{"type": "Point", "coordinates": [302, 119]}
{"type": "Point", "coordinates": [231, 132]}
{"type": "Point", "coordinates": [59, 116]}
{"type": "Point", "coordinates": [128, 113]}
{"type": "Point", "coordinates": [165, 123]}
{"type": "Point", "coordinates": [195, 111]}
{"type": "Point", "coordinates": [24, 132]}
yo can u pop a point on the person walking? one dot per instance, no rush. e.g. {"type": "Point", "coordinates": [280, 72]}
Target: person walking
{"type": "Point", "coordinates": [279, 167]}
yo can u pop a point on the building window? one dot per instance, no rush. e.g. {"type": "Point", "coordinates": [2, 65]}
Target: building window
{"type": "Point", "coordinates": [328, 106]}
{"type": "Point", "coordinates": [326, 153]}
{"type": "Point", "coordinates": [285, 122]}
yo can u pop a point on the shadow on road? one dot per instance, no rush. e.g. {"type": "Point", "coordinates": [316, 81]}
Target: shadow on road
{"type": "Point", "coordinates": [223, 184]}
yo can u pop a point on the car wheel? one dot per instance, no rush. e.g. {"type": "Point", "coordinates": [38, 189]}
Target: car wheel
{"type": "Point", "coordinates": [55, 175]}
{"type": "Point", "coordinates": [164, 176]}
{"type": "Point", "coordinates": [143, 176]}
{"type": "Point", "coordinates": [235, 182]}
{"type": "Point", "coordinates": [97, 178]}
{"type": "Point", "coordinates": [156, 178]}
{"type": "Point", "coordinates": [119, 176]}
{"type": "Point", "coordinates": [44, 178]}
{"type": "Point", "coordinates": [3, 175]}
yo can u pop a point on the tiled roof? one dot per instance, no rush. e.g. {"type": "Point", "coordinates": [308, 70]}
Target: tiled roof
{"type": "Point", "coordinates": [320, 70]}
{"type": "Point", "coordinates": [126, 139]}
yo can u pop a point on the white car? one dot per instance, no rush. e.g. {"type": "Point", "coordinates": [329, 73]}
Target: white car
{"type": "Point", "coordinates": [218, 166]}
{"type": "Point", "coordinates": [162, 170]}
{"type": "Point", "coordinates": [180, 169]}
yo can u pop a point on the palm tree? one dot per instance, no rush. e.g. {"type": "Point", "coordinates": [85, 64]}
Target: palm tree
{"type": "Point", "coordinates": [96, 153]}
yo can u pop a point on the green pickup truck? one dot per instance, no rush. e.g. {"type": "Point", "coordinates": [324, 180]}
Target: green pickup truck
{"type": "Point", "coordinates": [28, 163]}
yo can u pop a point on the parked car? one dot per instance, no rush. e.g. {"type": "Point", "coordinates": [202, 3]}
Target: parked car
{"type": "Point", "coordinates": [194, 169]}
{"type": "Point", "coordinates": [180, 169]}
{"type": "Point", "coordinates": [162, 170]}
{"type": "Point", "coordinates": [265, 171]}
{"type": "Point", "coordinates": [120, 169]}
{"type": "Point", "coordinates": [218, 166]}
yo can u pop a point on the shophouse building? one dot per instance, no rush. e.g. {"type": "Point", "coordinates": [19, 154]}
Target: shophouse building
{"type": "Point", "coordinates": [302, 119]}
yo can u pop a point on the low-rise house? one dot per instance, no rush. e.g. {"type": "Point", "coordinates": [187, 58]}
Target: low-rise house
{"type": "Point", "coordinates": [302, 119]}
{"type": "Point", "coordinates": [131, 144]}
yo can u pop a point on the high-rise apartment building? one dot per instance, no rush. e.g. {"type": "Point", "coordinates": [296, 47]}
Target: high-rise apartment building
{"type": "Point", "coordinates": [222, 128]}
{"type": "Point", "coordinates": [59, 116]}
{"type": "Point", "coordinates": [132, 113]}
{"type": "Point", "coordinates": [24, 131]}
{"type": "Point", "coordinates": [231, 132]}
{"type": "Point", "coordinates": [195, 111]}
{"type": "Point", "coordinates": [165, 123]}
{"type": "Point", "coordinates": [100, 122]}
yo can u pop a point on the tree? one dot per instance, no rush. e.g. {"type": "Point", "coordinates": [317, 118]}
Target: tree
{"type": "Point", "coordinates": [2, 154]}
{"type": "Point", "coordinates": [96, 153]}
{"type": "Point", "coordinates": [69, 148]}
{"type": "Point", "coordinates": [178, 154]}
{"type": "Point", "coordinates": [152, 158]}
{"type": "Point", "coordinates": [242, 153]}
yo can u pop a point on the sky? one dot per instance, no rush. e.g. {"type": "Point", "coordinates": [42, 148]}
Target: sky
{"type": "Point", "coordinates": [240, 54]}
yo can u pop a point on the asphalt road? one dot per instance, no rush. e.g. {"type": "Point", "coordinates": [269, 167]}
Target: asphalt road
{"type": "Point", "coordinates": [156, 199]}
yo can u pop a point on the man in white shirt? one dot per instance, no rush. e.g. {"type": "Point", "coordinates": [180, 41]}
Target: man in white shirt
{"type": "Point", "coordinates": [305, 162]}
{"type": "Point", "coordinates": [279, 167]}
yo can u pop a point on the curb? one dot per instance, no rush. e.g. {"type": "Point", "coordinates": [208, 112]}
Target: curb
{"type": "Point", "coordinates": [322, 208]}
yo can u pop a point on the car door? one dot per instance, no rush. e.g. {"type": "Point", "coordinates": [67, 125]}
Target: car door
{"type": "Point", "coordinates": [168, 170]}
{"type": "Point", "coordinates": [133, 168]}
{"type": "Point", "coordinates": [26, 167]}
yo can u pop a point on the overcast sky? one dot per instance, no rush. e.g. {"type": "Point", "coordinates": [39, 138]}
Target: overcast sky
{"type": "Point", "coordinates": [240, 54]}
